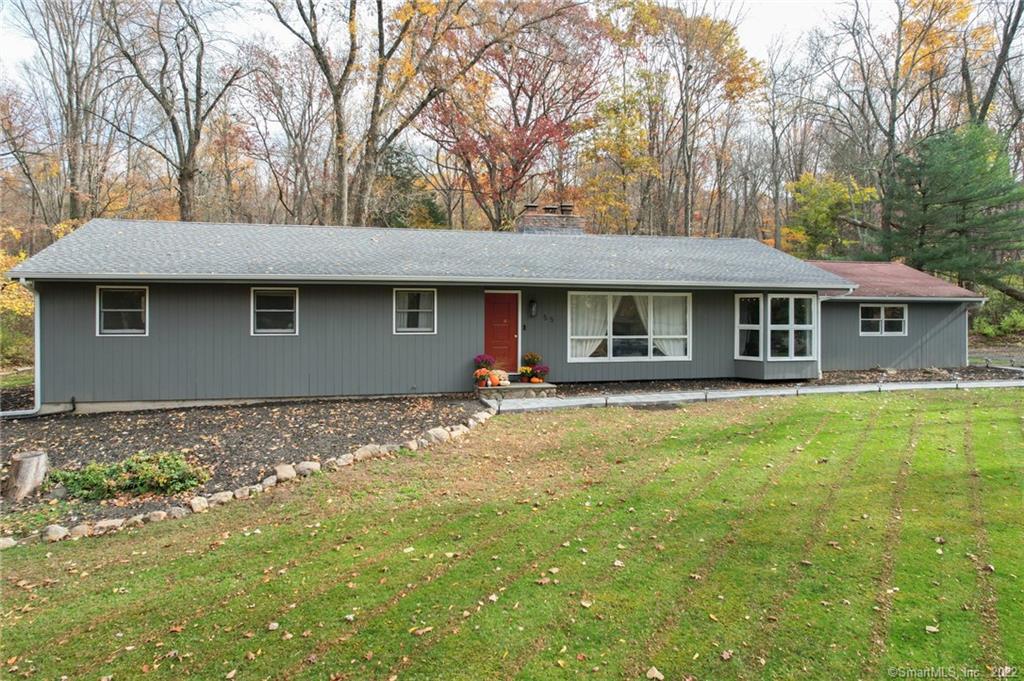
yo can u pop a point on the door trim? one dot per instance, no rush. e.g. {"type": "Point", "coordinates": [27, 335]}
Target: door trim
{"type": "Point", "coordinates": [519, 319]}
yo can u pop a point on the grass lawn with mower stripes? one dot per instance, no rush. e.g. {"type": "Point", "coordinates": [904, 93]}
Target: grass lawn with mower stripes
{"type": "Point", "coordinates": [848, 536]}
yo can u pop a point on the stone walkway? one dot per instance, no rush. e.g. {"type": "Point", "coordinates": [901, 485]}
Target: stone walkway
{"type": "Point", "coordinates": [668, 399]}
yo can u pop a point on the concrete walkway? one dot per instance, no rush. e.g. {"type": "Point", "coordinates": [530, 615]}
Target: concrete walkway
{"type": "Point", "coordinates": [668, 399]}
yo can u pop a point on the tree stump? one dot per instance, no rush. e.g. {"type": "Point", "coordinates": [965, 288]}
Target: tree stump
{"type": "Point", "coordinates": [28, 469]}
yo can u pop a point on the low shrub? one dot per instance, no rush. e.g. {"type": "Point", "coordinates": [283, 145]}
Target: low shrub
{"type": "Point", "coordinates": [159, 473]}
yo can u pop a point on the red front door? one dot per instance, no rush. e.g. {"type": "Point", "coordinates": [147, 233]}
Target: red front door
{"type": "Point", "coordinates": [501, 329]}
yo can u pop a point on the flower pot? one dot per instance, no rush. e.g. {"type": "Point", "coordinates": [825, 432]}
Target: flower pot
{"type": "Point", "coordinates": [481, 384]}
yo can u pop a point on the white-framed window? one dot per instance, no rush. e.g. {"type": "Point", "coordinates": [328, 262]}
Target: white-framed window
{"type": "Point", "coordinates": [749, 318]}
{"type": "Point", "coordinates": [415, 310]}
{"type": "Point", "coordinates": [791, 322]}
{"type": "Point", "coordinates": [883, 320]}
{"type": "Point", "coordinates": [275, 311]}
{"type": "Point", "coordinates": [606, 327]}
{"type": "Point", "coordinates": [122, 310]}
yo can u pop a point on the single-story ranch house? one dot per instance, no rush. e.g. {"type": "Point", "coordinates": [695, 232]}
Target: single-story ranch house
{"type": "Point", "coordinates": [137, 314]}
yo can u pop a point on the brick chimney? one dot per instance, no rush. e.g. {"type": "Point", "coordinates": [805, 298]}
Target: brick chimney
{"type": "Point", "coordinates": [552, 219]}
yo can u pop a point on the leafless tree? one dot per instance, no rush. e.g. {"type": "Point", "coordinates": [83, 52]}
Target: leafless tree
{"type": "Point", "coordinates": [167, 47]}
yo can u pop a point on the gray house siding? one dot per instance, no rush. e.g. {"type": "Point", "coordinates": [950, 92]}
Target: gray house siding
{"type": "Point", "coordinates": [936, 337]}
{"type": "Point", "coordinates": [199, 345]}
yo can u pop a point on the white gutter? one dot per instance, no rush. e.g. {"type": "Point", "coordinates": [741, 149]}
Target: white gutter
{"type": "Point", "coordinates": [36, 402]}
{"type": "Point", "coordinates": [909, 299]}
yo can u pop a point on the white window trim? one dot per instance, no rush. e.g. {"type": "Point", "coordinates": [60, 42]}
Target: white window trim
{"type": "Point", "coordinates": [749, 327]}
{"type": "Point", "coordinates": [792, 326]}
{"type": "Point", "coordinates": [252, 311]}
{"type": "Point", "coordinates": [651, 357]}
{"type": "Point", "coordinates": [881, 327]}
{"type": "Point", "coordinates": [120, 334]}
{"type": "Point", "coordinates": [394, 312]}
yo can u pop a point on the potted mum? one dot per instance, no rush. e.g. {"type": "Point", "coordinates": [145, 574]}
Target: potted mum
{"type": "Point", "coordinates": [484, 361]}
{"type": "Point", "coordinates": [482, 377]}
{"type": "Point", "coordinates": [533, 371]}
{"type": "Point", "coordinates": [540, 372]}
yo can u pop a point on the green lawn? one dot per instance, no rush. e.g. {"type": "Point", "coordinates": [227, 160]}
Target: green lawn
{"type": "Point", "coordinates": [799, 534]}
{"type": "Point", "coordinates": [17, 379]}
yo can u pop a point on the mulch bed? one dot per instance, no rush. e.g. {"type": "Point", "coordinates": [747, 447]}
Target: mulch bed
{"type": "Point", "coordinates": [16, 399]}
{"type": "Point", "coordinates": [239, 444]}
{"type": "Point", "coordinates": [972, 373]}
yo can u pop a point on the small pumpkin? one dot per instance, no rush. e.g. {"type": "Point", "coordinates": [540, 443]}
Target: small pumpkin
{"type": "Point", "coordinates": [536, 379]}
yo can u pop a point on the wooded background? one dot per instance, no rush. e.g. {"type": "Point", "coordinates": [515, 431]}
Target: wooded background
{"type": "Point", "coordinates": [896, 129]}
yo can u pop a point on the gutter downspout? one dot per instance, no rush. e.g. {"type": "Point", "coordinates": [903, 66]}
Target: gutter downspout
{"type": "Point", "coordinates": [36, 397]}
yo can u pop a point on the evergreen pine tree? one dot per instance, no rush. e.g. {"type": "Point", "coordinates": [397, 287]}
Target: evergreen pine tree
{"type": "Point", "coordinates": [959, 210]}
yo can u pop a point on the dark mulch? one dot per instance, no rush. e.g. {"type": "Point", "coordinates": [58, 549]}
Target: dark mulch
{"type": "Point", "coordinates": [16, 399]}
{"type": "Point", "coordinates": [239, 444]}
{"type": "Point", "coordinates": [972, 373]}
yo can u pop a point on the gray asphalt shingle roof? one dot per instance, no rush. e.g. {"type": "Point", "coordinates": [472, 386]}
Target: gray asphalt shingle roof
{"type": "Point", "coordinates": [137, 250]}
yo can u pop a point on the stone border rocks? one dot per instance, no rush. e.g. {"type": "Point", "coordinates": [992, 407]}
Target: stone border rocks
{"type": "Point", "coordinates": [282, 472]}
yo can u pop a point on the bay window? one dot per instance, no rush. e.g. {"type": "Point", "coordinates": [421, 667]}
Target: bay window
{"type": "Point", "coordinates": [791, 327]}
{"type": "Point", "coordinates": [629, 326]}
{"type": "Point", "coordinates": [748, 326]}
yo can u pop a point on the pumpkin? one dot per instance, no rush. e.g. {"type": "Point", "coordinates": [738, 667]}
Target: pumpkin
{"type": "Point", "coordinates": [536, 379]}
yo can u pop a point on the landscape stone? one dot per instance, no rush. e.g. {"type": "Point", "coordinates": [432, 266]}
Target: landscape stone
{"type": "Point", "coordinates": [58, 492]}
{"type": "Point", "coordinates": [307, 468]}
{"type": "Point", "coordinates": [199, 504]}
{"type": "Point", "coordinates": [221, 498]}
{"type": "Point", "coordinates": [241, 493]}
{"type": "Point", "coordinates": [108, 525]}
{"type": "Point", "coordinates": [366, 452]}
{"type": "Point", "coordinates": [284, 471]}
{"type": "Point", "coordinates": [135, 521]}
{"type": "Point", "coordinates": [411, 445]}
{"type": "Point", "coordinates": [345, 460]}
{"type": "Point", "coordinates": [177, 512]}
{"type": "Point", "coordinates": [439, 434]}
{"type": "Point", "coordinates": [55, 532]}
{"type": "Point", "coordinates": [255, 489]}
{"type": "Point", "coordinates": [81, 530]}
{"type": "Point", "coordinates": [7, 542]}
{"type": "Point", "coordinates": [269, 481]}
{"type": "Point", "coordinates": [156, 516]}
{"type": "Point", "coordinates": [392, 447]}
{"type": "Point", "coordinates": [458, 430]}
{"type": "Point", "coordinates": [331, 464]}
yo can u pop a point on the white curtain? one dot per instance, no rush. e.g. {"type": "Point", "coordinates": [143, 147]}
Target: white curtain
{"type": "Point", "coordinates": [670, 320]}
{"type": "Point", "coordinates": [642, 303]}
{"type": "Point", "coordinates": [589, 318]}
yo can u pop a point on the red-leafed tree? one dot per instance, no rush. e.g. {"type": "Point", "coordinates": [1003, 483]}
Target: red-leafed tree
{"type": "Point", "coordinates": [521, 100]}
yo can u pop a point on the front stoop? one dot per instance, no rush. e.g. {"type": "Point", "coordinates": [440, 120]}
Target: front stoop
{"type": "Point", "coordinates": [515, 391]}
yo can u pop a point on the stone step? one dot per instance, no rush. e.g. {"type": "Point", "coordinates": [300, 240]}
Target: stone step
{"type": "Point", "coordinates": [515, 391]}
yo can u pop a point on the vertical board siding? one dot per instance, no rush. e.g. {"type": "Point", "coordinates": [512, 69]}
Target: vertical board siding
{"type": "Point", "coordinates": [199, 346]}
{"type": "Point", "coordinates": [936, 337]}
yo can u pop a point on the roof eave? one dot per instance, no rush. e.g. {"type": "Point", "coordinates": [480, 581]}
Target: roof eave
{"type": "Point", "coordinates": [529, 281]}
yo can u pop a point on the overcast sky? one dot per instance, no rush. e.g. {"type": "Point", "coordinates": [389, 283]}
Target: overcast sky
{"type": "Point", "coordinates": [763, 20]}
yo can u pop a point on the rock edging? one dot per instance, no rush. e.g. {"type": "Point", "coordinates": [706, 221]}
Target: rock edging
{"type": "Point", "coordinates": [282, 472]}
